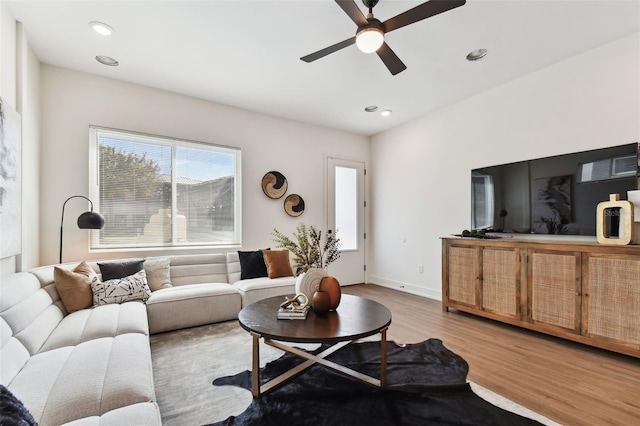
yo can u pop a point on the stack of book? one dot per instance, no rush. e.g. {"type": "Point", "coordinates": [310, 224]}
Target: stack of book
{"type": "Point", "coordinates": [290, 313]}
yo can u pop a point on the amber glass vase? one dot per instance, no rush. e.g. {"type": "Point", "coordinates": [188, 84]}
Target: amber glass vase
{"type": "Point", "coordinates": [331, 286]}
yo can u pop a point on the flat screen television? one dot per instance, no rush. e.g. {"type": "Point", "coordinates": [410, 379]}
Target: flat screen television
{"type": "Point", "coordinates": [553, 195]}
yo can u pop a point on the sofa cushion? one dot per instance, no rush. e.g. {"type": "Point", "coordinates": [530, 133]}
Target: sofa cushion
{"type": "Point", "coordinates": [261, 288]}
{"type": "Point", "coordinates": [28, 309]}
{"type": "Point", "coordinates": [192, 305]}
{"type": "Point", "coordinates": [102, 321]}
{"type": "Point", "coordinates": [233, 267]}
{"type": "Point", "coordinates": [112, 270]}
{"type": "Point", "coordinates": [144, 413]}
{"type": "Point", "coordinates": [158, 272]}
{"type": "Point", "coordinates": [278, 264]}
{"type": "Point", "coordinates": [198, 269]}
{"type": "Point", "coordinates": [120, 290]}
{"type": "Point", "coordinates": [252, 264]}
{"type": "Point", "coordinates": [13, 354]}
{"type": "Point", "coordinates": [89, 379]}
{"type": "Point", "coordinates": [74, 287]}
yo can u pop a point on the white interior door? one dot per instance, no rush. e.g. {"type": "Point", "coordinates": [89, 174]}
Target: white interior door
{"type": "Point", "coordinates": [345, 215]}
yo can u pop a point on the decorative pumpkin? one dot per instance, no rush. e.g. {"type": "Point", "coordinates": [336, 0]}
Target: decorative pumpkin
{"type": "Point", "coordinates": [321, 302]}
{"type": "Point", "coordinates": [331, 286]}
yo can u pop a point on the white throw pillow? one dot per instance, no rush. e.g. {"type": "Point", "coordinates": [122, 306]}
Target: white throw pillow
{"type": "Point", "coordinates": [158, 272]}
{"type": "Point", "coordinates": [120, 290]}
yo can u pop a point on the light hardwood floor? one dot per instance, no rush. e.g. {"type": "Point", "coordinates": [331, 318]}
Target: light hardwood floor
{"type": "Point", "coordinates": [570, 383]}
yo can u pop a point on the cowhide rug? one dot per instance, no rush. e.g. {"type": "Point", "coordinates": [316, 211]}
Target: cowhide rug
{"type": "Point", "coordinates": [426, 386]}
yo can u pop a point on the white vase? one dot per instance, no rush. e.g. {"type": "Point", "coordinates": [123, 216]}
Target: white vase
{"type": "Point", "coordinates": [309, 282]}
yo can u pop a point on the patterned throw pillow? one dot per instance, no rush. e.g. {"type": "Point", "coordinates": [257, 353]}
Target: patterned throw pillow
{"type": "Point", "coordinates": [120, 290]}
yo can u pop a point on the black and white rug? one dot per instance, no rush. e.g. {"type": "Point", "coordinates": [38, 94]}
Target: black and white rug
{"type": "Point", "coordinates": [427, 385]}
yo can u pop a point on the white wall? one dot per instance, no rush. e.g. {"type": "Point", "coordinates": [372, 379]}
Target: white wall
{"type": "Point", "coordinates": [71, 101]}
{"type": "Point", "coordinates": [28, 104]}
{"type": "Point", "coordinates": [19, 86]}
{"type": "Point", "coordinates": [7, 87]}
{"type": "Point", "coordinates": [420, 172]}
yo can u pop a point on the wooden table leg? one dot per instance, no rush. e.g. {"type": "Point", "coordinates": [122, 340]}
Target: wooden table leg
{"type": "Point", "coordinates": [383, 357]}
{"type": "Point", "coordinates": [255, 366]}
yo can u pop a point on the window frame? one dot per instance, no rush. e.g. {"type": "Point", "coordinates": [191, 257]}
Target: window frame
{"type": "Point", "coordinates": [97, 132]}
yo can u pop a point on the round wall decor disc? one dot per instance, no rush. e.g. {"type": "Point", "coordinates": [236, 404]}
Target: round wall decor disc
{"type": "Point", "coordinates": [294, 205]}
{"type": "Point", "coordinates": [274, 184]}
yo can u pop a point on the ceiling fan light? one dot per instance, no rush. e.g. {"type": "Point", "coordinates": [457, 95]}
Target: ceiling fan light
{"type": "Point", "coordinates": [369, 40]}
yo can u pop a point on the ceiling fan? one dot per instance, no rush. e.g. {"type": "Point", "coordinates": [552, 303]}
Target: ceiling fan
{"type": "Point", "coordinates": [370, 33]}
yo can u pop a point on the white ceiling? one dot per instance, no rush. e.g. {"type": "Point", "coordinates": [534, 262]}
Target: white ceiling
{"type": "Point", "coordinates": [246, 53]}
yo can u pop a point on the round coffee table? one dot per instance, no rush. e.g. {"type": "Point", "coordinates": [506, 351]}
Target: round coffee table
{"type": "Point", "coordinates": [355, 318]}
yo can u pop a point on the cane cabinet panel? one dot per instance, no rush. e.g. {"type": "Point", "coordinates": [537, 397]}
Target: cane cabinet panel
{"type": "Point", "coordinates": [612, 299]}
{"type": "Point", "coordinates": [554, 289]}
{"type": "Point", "coordinates": [500, 281]}
{"type": "Point", "coordinates": [463, 266]}
{"type": "Point", "coordinates": [483, 278]}
{"type": "Point", "coordinates": [585, 292]}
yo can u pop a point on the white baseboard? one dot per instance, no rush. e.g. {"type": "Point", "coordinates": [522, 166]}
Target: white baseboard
{"type": "Point", "coordinates": [406, 287]}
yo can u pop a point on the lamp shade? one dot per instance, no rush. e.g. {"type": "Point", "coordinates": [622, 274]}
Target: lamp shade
{"type": "Point", "coordinates": [369, 39]}
{"type": "Point", "coordinates": [90, 220]}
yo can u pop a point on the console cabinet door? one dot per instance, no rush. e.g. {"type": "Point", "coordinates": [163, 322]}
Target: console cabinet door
{"type": "Point", "coordinates": [554, 286]}
{"type": "Point", "coordinates": [500, 282]}
{"type": "Point", "coordinates": [611, 309]}
{"type": "Point", "coordinates": [462, 275]}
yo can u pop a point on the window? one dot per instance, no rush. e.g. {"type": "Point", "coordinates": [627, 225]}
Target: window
{"type": "Point", "coordinates": [161, 192]}
{"type": "Point", "coordinates": [481, 201]}
{"type": "Point", "coordinates": [346, 207]}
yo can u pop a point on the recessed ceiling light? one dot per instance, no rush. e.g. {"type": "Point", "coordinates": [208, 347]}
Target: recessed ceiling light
{"type": "Point", "coordinates": [477, 54]}
{"type": "Point", "coordinates": [385, 112]}
{"type": "Point", "coordinates": [371, 108]}
{"type": "Point", "coordinates": [107, 60]}
{"type": "Point", "coordinates": [101, 28]}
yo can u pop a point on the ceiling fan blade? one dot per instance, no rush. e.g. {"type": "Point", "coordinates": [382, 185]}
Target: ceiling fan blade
{"type": "Point", "coordinates": [354, 12]}
{"type": "Point", "coordinates": [328, 50]}
{"type": "Point", "coordinates": [390, 59]}
{"type": "Point", "coordinates": [418, 13]}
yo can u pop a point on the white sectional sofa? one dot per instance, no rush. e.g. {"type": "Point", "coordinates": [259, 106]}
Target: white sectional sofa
{"type": "Point", "coordinates": [93, 366]}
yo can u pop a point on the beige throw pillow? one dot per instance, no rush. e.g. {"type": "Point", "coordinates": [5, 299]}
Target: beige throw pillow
{"type": "Point", "coordinates": [158, 273]}
{"type": "Point", "coordinates": [74, 287]}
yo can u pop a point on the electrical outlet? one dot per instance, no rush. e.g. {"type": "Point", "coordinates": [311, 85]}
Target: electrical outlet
{"type": "Point", "coordinates": [421, 269]}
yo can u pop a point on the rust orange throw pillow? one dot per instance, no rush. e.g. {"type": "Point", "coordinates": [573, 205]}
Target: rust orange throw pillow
{"type": "Point", "coordinates": [277, 262]}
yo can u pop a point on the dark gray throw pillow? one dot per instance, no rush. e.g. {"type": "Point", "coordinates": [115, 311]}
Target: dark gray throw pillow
{"type": "Point", "coordinates": [252, 264]}
{"type": "Point", "coordinates": [113, 270]}
{"type": "Point", "coordinates": [13, 411]}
